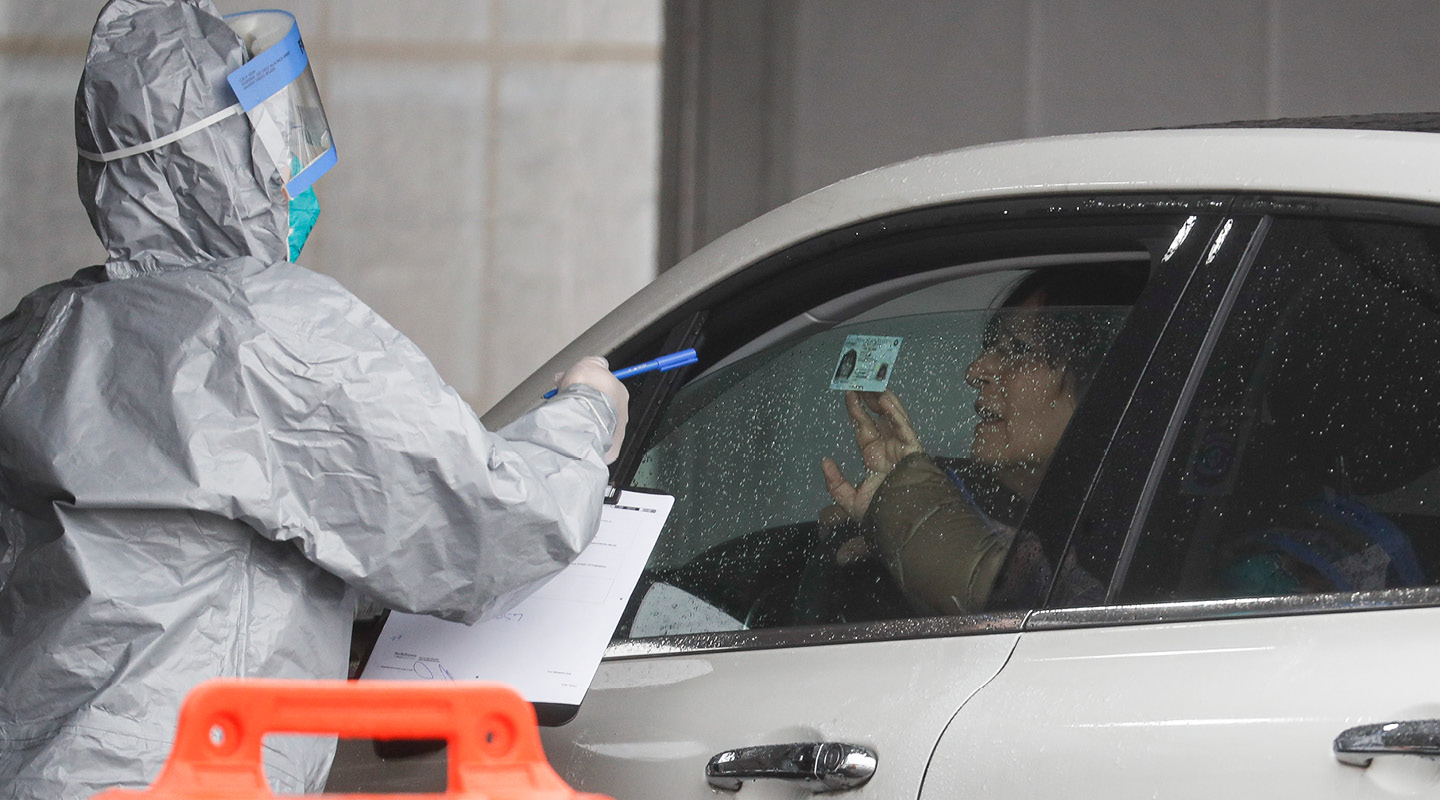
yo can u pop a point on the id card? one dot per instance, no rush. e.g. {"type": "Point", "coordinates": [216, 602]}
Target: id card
{"type": "Point", "coordinates": [866, 363]}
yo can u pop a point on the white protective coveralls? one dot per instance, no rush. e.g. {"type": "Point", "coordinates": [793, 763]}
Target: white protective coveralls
{"type": "Point", "coordinates": [203, 448]}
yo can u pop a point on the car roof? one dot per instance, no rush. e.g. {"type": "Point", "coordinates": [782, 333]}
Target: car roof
{"type": "Point", "coordinates": [1414, 122]}
{"type": "Point", "coordinates": [1330, 156]}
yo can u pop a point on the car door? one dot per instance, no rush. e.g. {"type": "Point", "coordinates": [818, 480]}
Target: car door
{"type": "Point", "coordinates": [746, 648]}
{"type": "Point", "coordinates": [1268, 628]}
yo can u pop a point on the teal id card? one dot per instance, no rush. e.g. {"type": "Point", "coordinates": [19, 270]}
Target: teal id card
{"type": "Point", "coordinates": [866, 363]}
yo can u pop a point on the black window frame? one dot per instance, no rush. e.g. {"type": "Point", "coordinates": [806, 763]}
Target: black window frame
{"type": "Point", "coordinates": [1201, 316]}
{"type": "Point", "coordinates": [765, 294]}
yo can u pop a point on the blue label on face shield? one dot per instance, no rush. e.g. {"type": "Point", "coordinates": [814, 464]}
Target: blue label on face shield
{"type": "Point", "coordinates": [307, 177]}
{"type": "Point", "coordinates": [270, 71]}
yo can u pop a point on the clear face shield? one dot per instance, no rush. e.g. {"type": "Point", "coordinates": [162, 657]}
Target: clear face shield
{"type": "Point", "coordinates": [277, 91]}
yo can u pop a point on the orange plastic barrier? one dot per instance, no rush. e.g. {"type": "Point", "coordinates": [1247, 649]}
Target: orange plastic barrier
{"type": "Point", "coordinates": [494, 744]}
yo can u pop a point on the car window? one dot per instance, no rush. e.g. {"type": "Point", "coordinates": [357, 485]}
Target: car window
{"type": "Point", "coordinates": [757, 538]}
{"type": "Point", "coordinates": [1307, 461]}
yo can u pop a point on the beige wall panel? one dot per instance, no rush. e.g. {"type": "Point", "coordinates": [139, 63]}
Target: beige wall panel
{"type": "Point", "coordinates": [427, 22]}
{"type": "Point", "coordinates": [48, 18]}
{"type": "Point", "coordinates": [43, 227]}
{"type": "Point", "coordinates": [614, 21]}
{"type": "Point", "coordinates": [402, 220]}
{"type": "Point", "coordinates": [574, 206]}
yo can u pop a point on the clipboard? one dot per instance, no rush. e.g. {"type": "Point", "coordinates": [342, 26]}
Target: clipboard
{"type": "Point", "coordinates": [549, 645]}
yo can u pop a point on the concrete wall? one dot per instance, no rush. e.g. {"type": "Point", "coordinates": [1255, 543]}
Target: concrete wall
{"type": "Point", "coordinates": [496, 191]}
{"type": "Point", "coordinates": [775, 98]}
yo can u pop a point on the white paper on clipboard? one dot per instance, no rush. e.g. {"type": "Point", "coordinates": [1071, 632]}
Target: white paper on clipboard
{"type": "Point", "coordinates": [549, 645]}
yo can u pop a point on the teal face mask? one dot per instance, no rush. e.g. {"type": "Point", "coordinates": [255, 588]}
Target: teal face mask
{"type": "Point", "coordinates": [304, 211]}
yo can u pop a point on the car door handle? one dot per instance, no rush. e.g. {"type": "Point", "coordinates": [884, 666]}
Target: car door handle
{"type": "Point", "coordinates": [1360, 744]}
{"type": "Point", "coordinates": [819, 766]}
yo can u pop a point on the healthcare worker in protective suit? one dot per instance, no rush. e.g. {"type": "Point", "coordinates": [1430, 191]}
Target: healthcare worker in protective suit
{"type": "Point", "coordinates": [206, 451]}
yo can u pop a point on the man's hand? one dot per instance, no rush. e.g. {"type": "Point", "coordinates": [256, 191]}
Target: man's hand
{"type": "Point", "coordinates": [884, 435]}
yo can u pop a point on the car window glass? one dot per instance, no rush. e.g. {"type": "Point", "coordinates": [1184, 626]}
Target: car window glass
{"type": "Point", "coordinates": [757, 540]}
{"type": "Point", "coordinates": [1307, 462]}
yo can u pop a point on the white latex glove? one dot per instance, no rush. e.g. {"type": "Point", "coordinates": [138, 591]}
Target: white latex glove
{"type": "Point", "coordinates": [593, 371]}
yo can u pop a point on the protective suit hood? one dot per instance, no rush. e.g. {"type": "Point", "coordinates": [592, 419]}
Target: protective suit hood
{"type": "Point", "coordinates": [153, 68]}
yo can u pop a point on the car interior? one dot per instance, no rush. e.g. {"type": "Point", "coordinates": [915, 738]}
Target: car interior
{"type": "Point", "coordinates": [1316, 473]}
{"type": "Point", "coordinates": [741, 566]}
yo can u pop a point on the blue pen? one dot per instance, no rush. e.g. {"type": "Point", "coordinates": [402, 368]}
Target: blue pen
{"type": "Point", "coordinates": [661, 364]}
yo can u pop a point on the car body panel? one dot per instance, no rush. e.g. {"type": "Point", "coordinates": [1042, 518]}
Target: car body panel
{"type": "Point", "coordinates": [1220, 708]}
{"type": "Point", "coordinates": [649, 725]}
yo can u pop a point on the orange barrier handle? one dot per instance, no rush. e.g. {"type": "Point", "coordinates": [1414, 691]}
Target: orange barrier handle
{"type": "Point", "coordinates": [494, 744]}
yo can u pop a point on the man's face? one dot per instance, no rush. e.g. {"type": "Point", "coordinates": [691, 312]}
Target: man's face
{"type": "Point", "coordinates": [1024, 403]}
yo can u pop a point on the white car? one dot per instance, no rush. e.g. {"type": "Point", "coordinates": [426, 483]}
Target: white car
{"type": "Point", "coordinates": [1216, 584]}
